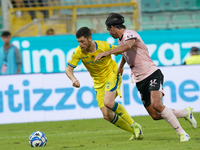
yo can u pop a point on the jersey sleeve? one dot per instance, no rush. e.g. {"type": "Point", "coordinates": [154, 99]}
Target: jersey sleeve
{"type": "Point", "coordinates": [109, 46]}
{"type": "Point", "coordinates": [75, 57]}
{"type": "Point", "coordinates": [129, 36]}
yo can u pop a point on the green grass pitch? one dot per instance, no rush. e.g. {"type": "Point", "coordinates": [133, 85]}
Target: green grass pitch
{"type": "Point", "coordinates": [98, 134]}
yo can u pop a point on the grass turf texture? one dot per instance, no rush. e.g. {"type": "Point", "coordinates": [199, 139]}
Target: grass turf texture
{"type": "Point", "coordinates": [98, 134]}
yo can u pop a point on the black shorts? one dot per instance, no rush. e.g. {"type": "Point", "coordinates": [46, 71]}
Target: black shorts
{"type": "Point", "coordinates": [154, 82]}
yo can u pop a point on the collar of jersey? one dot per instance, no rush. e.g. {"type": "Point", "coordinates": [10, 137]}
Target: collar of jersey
{"type": "Point", "coordinates": [121, 37]}
{"type": "Point", "coordinates": [96, 45]}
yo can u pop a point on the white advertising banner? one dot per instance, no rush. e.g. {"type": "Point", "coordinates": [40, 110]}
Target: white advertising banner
{"type": "Point", "coordinates": [51, 97]}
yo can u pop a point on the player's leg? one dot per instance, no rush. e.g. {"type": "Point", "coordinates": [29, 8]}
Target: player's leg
{"type": "Point", "coordinates": [109, 101]}
{"type": "Point", "coordinates": [186, 113]}
{"type": "Point", "coordinates": [167, 114]}
{"type": "Point", "coordinates": [151, 93]}
{"type": "Point", "coordinates": [109, 115]}
{"type": "Point", "coordinates": [113, 89]}
{"type": "Point", "coordinates": [153, 113]}
{"type": "Point", "coordinates": [145, 96]}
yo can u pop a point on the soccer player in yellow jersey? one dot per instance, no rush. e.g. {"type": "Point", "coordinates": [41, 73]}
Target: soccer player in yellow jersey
{"type": "Point", "coordinates": [106, 81]}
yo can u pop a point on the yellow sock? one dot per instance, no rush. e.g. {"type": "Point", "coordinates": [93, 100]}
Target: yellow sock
{"type": "Point", "coordinates": [121, 111]}
{"type": "Point", "coordinates": [121, 123]}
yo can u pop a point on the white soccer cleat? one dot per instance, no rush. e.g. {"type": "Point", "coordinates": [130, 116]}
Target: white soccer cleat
{"type": "Point", "coordinates": [184, 137]}
{"type": "Point", "coordinates": [190, 117]}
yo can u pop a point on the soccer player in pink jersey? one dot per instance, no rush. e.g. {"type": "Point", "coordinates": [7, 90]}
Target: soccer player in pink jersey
{"type": "Point", "coordinates": [148, 78]}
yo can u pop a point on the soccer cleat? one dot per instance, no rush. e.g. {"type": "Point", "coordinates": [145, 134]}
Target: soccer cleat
{"type": "Point", "coordinates": [184, 137]}
{"type": "Point", "coordinates": [138, 133]}
{"type": "Point", "coordinates": [190, 117]}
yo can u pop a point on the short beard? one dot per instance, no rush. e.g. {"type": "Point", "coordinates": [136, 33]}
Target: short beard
{"type": "Point", "coordinates": [89, 44]}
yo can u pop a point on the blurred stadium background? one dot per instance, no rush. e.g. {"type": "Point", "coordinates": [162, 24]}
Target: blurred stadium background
{"type": "Point", "coordinates": [34, 17]}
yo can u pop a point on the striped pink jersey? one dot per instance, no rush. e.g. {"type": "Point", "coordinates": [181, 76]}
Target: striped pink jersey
{"type": "Point", "coordinates": [137, 57]}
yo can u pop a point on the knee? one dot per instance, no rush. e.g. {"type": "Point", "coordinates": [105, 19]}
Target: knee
{"type": "Point", "coordinates": [158, 107]}
{"type": "Point", "coordinates": [109, 104]}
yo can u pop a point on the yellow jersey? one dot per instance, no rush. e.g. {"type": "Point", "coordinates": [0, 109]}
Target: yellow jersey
{"type": "Point", "coordinates": [99, 70]}
{"type": "Point", "coordinates": [194, 59]}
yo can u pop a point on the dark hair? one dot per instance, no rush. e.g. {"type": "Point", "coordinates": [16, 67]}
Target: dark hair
{"type": "Point", "coordinates": [50, 30]}
{"type": "Point", "coordinates": [5, 34]}
{"type": "Point", "coordinates": [194, 50]}
{"type": "Point", "coordinates": [116, 20]}
{"type": "Point", "coordinates": [84, 31]}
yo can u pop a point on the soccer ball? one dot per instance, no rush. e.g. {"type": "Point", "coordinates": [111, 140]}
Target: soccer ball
{"type": "Point", "coordinates": [37, 139]}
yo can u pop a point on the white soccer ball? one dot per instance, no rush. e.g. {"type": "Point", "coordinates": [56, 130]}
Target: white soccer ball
{"type": "Point", "coordinates": [37, 139]}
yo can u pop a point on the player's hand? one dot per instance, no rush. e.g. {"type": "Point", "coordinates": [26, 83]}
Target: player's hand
{"type": "Point", "coordinates": [76, 83]}
{"type": "Point", "coordinates": [100, 55]}
{"type": "Point", "coordinates": [120, 71]}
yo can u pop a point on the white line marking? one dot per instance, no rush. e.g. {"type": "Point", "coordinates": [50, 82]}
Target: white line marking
{"type": "Point", "coordinates": [88, 132]}
{"type": "Point", "coordinates": [71, 133]}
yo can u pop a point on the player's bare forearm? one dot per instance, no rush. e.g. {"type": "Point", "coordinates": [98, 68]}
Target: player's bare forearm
{"type": "Point", "coordinates": [123, 61]}
{"type": "Point", "coordinates": [119, 49]}
{"type": "Point", "coordinates": [122, 48]}
{"type": "Point", "coordinates": [120, 69]}
{"type": "Point", "coordinates": [69, 73]}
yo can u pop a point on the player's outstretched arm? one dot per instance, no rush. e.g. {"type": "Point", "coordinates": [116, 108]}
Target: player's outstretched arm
{"type": "Point", "coordinates": [120, 49]}
{"type": "Point", "coordinates": [70, 74]}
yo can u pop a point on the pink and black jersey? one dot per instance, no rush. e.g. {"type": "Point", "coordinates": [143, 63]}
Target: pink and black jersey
{"type": "Point", "coordinates": [137, 57]}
